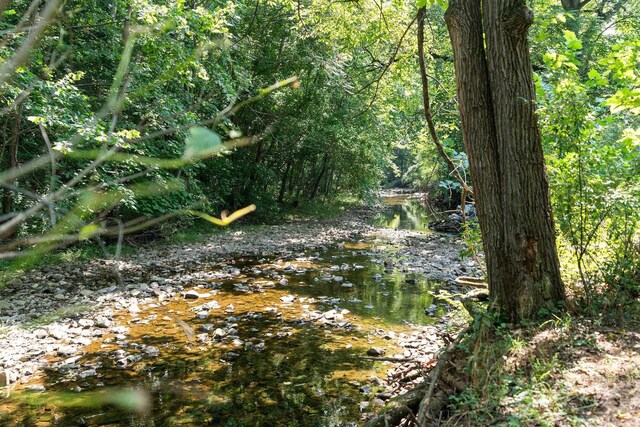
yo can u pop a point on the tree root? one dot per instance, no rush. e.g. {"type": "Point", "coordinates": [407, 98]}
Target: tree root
{"type": "Point", "coordinates": [429, 406]}
{"type": "Point", "coordinates": [428, 398]}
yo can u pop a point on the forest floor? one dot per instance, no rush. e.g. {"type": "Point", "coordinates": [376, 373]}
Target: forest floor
{"type": "Point", "coordinates": [573, 371]}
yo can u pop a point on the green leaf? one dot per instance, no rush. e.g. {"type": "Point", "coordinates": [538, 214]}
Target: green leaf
{"type": "Point", "coordinates": [201, 142]}
{"type": "Point", "coordinates": [88, 231]}
{"type": "Point", "coordinates": [572, 41]}
{"type": "Point", "coordinates": [421, 3]}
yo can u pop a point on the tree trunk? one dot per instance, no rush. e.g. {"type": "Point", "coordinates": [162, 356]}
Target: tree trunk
{"type": "Point", "coordinates": [500, 129]}
{"type": "Point", "coordinates": [316, 184]}
{"type": "Point", "coordinates": [12, 151]}
{"type": "Point", "coordinates": [283, 182]}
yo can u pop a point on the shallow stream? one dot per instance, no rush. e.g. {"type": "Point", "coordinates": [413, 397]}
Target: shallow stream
{"type": "Point", "coordinates": [302, 340]}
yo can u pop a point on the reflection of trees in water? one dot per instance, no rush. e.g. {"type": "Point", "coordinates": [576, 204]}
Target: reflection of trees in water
{"type": "Point", "coordinates": [410, 215]}
{"type": "Point", "coordinates": [395, 300]}
{"type": "Point", "coordinates": [407, 214]}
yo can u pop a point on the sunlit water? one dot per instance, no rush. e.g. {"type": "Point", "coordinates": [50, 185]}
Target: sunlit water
{"type": "Point", "coordinates": [285, 370]}
{"type": "Point", "coordinates": [404, 213]}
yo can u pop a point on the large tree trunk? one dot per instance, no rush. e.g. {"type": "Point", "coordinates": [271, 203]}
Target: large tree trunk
{"type": "Point", "coordinates": [497, 106]}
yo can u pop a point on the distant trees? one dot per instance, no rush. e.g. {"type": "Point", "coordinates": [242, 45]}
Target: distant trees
{"type": "Point", "coordinates": [97, 100]}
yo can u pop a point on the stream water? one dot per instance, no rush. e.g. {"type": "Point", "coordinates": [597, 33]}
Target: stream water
{"type": "Point", "coordinates": [284, 343]}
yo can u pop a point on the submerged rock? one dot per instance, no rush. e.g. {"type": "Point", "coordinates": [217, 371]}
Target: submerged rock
{"type": "Point", "coordinates": [376, 352]}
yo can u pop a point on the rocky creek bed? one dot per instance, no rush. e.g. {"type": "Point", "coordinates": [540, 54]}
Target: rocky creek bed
{"type": "Point", "coordinates": [307, 323]}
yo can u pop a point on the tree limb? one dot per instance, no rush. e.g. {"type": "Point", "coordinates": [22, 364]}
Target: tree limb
{"type": "Point", "coordinates": [427, 104]}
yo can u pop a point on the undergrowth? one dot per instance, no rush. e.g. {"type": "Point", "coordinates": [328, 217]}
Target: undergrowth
{"type": "Point", "coordinates": [518, 375]}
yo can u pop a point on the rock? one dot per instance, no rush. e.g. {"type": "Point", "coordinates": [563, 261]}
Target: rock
{"type": "Point", "coordinates": [375, 381]}
{"type": "Point", "coordinates": [40, 333]}
{"type": "Point", "coordinates": [219, 334]}
{"type": "Point", "coordinates": [103, 322]}
{"type": "Point", "coordinates": [288, 299]}
{"type": "Point", "coordinates": [67, 350]}
{"type": "Point", "coordinates": [330, 315]}
{"type": "Point", "coordinates": [191, 294]}
{"type": "Point", "coordinates": [384, 396]}
{"type": "Point", "coordinates": [152, 351]}
{"type": "Point", "coordinates": [347, 285]}
{"type": "Point", "coordinates": [366, 389]}
{"type": "Point", "coordinates": [88, 373]}
{"type": "Point", "coordinates": [82, 341]}
{"type": "Point", "coordinates": [86, 323]}
{"type": "Point", "coordinates": [207, 327]}
{"type": "Point", "coordinates": [389, 335]}
{"type": "Point", "coordinates": [57, 333]}
{"type": "Point", "coordinates": [72, 360]}
{"type": "Point", "coordinates": [56, 278]}
{"type": "Point", "coordinates": [230, 355]}
{"type": "Point", "coordinates": [60, 296]}
{"type": "Point", "coordinates": [36, 388]}
{"type": "Point", "coordinates": [376, 352]}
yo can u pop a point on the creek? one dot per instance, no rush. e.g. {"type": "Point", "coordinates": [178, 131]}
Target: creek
{"type": "Point", "coordinates": [309, 338]}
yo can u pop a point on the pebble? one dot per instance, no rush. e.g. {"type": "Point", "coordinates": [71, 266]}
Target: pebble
{"type": "Point", "coordinates": [103, 322]}
{"type": "Point", "coordinates": [191, 294]}
{"type": "Point", "coordinates": [219, 333]}
{"type": "Point", "coordinates": [41, 333]}
{"type": "Point", "coordinates": [88, 373]}
{"type": "Point", "coordinates": [288, 299]}
{"type": "Point", "coordinates": [86, 323]}
{"type": "Point", "coordinates": [66, 350]}
{"type": "Point", "coordinates": [376, 352]}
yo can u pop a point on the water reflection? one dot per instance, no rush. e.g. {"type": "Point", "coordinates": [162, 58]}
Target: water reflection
{"type": "Point", "coordinates": [404, 213]}
{"type": "Point", "coordinates": [284, 369]}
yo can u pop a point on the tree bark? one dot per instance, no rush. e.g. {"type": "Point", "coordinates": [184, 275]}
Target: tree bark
{"type": "Point", "coordinates": [12, 151]}
{"type": "Point", "coordinates": [283, 182]}
{"type": "Point", "coordinates": [316, 184]}
{"type": "Point", "coordinates": [501, 134]}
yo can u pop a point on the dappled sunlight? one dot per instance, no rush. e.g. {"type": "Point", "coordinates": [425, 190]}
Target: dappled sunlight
{"type": "Point", "coordinates": [572, 371]}
{"type": "Point", "coordinates": [253, 339]}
